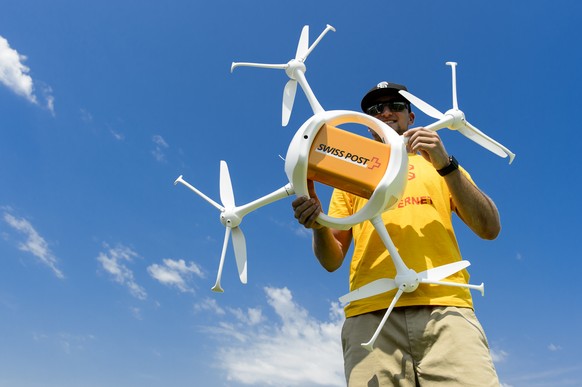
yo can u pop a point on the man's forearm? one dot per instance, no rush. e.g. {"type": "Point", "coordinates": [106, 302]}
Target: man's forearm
{"type": "Point", "coordinates": [328, 249]}
{"type": "Point", "coordinates": [475, 208]}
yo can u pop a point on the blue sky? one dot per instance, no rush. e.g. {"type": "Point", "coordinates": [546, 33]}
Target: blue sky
{"type": "Point", "coordinates": [106, 266]}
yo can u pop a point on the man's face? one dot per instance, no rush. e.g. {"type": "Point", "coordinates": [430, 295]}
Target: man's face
{"type": "Point", "coordinates": [397, 120]}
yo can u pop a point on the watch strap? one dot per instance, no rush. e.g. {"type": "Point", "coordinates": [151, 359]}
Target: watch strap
{"type": "Point", "coordinates": [453, 165]}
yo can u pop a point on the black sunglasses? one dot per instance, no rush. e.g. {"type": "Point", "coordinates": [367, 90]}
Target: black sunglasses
{"type": "Point", "coordinates": [393, 106]}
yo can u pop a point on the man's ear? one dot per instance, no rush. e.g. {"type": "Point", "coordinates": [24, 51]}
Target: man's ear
{"type": "Point", "coordinates": [411, 117]}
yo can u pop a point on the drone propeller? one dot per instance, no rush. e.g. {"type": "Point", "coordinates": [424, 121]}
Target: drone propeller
{"type": "Point", "coordinates": [440, 272]}
{"type": "Point", "coordinates": [291, 86]}
{"type": "Point", "coordinates": [383, 285]}
{"type": "Point", "coordinates": [231, 219]}
{"type": "Point", "coordinates": [295, 69]}
{"type": "Point", "coordinates": [455, 119]}
{"type": "Point", "coordinates": [232, 227]}
{"type": "Point", "coordinates": [405, 283]}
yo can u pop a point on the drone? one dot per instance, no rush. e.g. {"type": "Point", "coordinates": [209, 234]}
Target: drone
{"type": "Point", "coordinates": [383, 172]}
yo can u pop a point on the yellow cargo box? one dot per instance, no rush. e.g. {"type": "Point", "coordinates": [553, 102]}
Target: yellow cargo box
{"type": "Point", "coordinates": [347, 161]}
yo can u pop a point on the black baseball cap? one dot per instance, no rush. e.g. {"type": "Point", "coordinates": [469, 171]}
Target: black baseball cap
{"type": "Point", "coordinates": [380, 90]}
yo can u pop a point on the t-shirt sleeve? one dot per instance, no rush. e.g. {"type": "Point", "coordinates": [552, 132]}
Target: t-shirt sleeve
{"type": "Point", "coordinates": [340, 205]}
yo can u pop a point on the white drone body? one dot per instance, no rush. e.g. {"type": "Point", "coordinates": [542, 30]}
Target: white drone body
{"type": "Point", "coordinates": [386, 194]}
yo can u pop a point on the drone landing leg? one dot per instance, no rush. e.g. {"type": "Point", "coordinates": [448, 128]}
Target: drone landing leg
{"type": "Point", "coordinates": [370, 344]}
{"type": "Point", "coordinates": [198, 192]}
{"type": "Point", "coordinates": [480, 288]}
{"type": "Point", "coordinates": [217, 288]}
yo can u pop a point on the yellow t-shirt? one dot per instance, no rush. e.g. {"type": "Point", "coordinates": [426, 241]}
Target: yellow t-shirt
{"type": "Point", "coordinates": [420, 226]}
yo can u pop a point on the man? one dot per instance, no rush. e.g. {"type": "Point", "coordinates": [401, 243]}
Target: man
{"type": "Point", "coordinates": [432, 336]}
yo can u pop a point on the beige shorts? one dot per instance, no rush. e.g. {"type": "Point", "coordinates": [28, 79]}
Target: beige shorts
{"type": "Point", "coordinates": [419, 346]}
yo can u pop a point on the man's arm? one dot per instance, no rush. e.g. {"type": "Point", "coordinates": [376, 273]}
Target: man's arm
{"type": "Point", "coordinates": [475, 208]}
{"type": "Point", "coordinates": [330, 246]}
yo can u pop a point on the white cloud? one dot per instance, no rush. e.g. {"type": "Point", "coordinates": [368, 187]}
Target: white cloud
{"type": "Point", "coordinates": [136, 312]}
{"type": "Point", "coordinates": [294, 226]}
{"type": "Point", "coordinates": [161, 145]}
{"type": "Point", "coordinates": [252, 316]}
{"type": "Point", "coordinates": [116, 135]}
{"type": "Point", "coordinates": [113, 262]}
{"type": "Point", "coordinates": [15, 75]}
{"type": "Point", "coordinates": [567, 375]}
{"type": "Point", "coordinates": [69, 343]}
{"type": "Point", "coordinates": [175, 273]}
{"type": "Point", "coordinates": [50, 101]}
{"type": "Point", "coordinates": [297, 351]}
{"type": "Point", "coordinates": [554, 348]}
{"type": "Point", "coordinates": [210, 305]}
{"type": "Point", "coordinates": [86, 116]}
{"type": "Point", "coordinates": [34, 243]}
{"type": "Point", "coordinates": [498, 355]}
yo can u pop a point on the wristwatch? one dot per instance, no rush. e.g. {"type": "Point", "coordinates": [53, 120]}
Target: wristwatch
{"type": "Point", "coordinates": [453, 165]}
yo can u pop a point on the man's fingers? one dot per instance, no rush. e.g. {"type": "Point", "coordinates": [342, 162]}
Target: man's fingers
{"type": "Point", "coordinates": [306, 210]}
{"type": "Point", "coordinates": [299, 201]}
{"type": "Point", "coordinates": [310, 216]}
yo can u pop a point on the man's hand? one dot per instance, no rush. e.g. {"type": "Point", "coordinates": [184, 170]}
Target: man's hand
{"type": "Point", "coordinates": [329, 246]}
{"type": "Point", "coordinates": [428, 143]}
{"type": "Point", "coordinates": [306, 209]}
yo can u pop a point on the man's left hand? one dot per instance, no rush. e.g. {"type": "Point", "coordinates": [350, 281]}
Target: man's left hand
{"type": "Point", "coordinates": [428, 143]}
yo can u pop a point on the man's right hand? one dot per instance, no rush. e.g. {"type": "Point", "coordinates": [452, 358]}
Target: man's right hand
{"type": "Point", "coordinates": [306, 210]}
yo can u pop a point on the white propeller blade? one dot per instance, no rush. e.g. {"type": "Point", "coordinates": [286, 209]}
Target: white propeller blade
{"type": "Point", "coordinates": [440, 272]}
{"type": "Point", "coordinates": [421, 105]}
{"type": "Point", "coordinates": [303, 44]}
{"type": "Point", "coordinates": [226, 193]}
{"type": "Point", "coordinates": [288, 100]}
{"type": "Point", "coordinates": [291, 86]}
{"type": "Point", "coordinates": [379, 286]}
{"type": "Point", "coordinates": [485, 141]}
{"type": "Point", "coordinates": [240, 253]}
